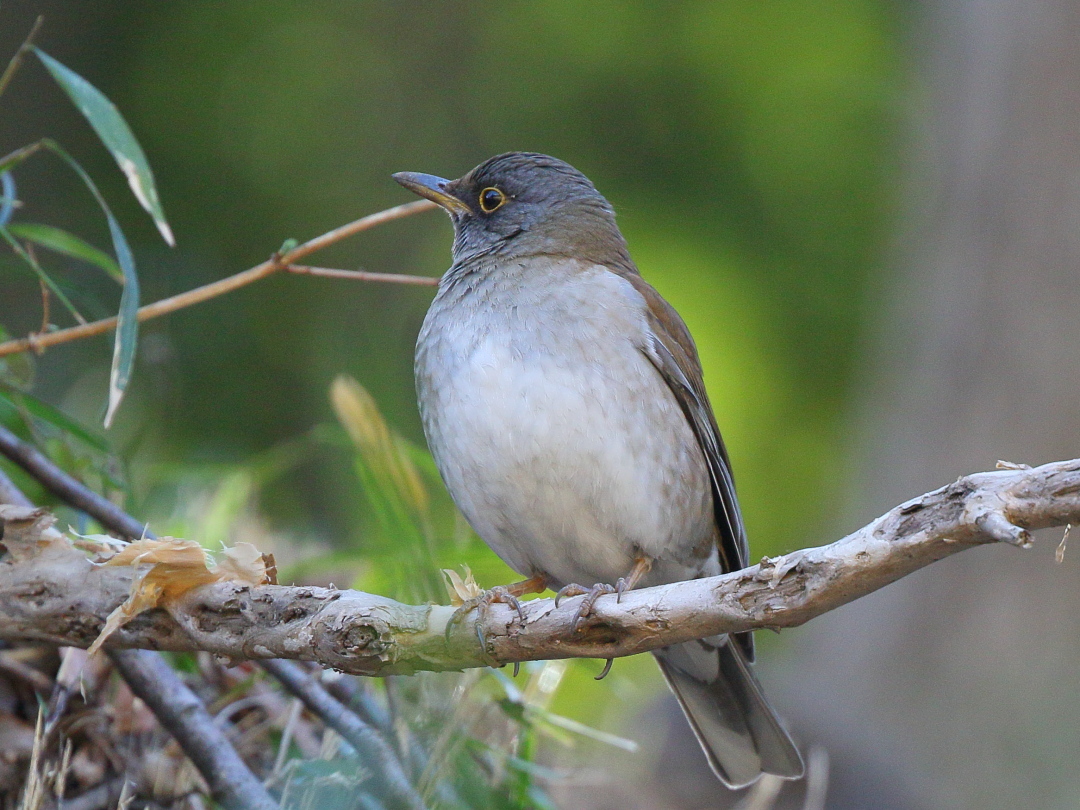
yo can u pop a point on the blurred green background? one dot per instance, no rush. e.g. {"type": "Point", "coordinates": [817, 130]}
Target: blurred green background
{"type": "Point", "coordinates": [750, 149]}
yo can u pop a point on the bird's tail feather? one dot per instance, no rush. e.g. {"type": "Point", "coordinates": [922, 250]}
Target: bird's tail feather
{"type": "Point", "coordinates": [740, 733]}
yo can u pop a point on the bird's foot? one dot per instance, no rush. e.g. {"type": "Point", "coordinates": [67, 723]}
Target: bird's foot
{"type": "Point", "coordinates": [591, 595]}
{"type": "Point", "coordinates": [506, 594]}
{"type": "Point", "coordinates": [624, 584]}
{"type": "Point", "coordinates": [481, 604]}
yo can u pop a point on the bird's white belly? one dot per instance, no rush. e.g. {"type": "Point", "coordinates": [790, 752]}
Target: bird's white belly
{"type": "Point", "coordinates": [566, 451]}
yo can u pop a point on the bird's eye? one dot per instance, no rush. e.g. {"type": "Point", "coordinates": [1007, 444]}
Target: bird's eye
{"type": "Point", "coordinates": [490, 199]}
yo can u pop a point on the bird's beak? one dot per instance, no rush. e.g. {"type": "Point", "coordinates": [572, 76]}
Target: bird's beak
{"type": "Point", "coordinates": [434, 189]}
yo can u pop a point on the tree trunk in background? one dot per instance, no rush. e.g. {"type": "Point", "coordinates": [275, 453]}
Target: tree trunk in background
{"type": "Point", "coordinates": [961, 685]}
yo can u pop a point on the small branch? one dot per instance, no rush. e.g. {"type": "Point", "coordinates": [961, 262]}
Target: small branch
{"type": "Point", "coordinates": [372, 635]}
{"type": "Point", "coordinates": [363, 275]}
{"type": "Point", "coordinates": [44, 308]}
{"type": "Point", "coordinates": [374, 751]}
{"type": "Point", "coordinates": [222, 286]}
{"type": "Point", "coordinates": [69, 490]}
{"type": "Point", "coordinates": [35, 678]}
{"type": "Point", "coordinates": [11, 494]}
{"type": "Point", "coordinates": [180, 711]}
{"type": "Point", "coordinates": [16, 60]}
{"type": "Point", "coordinates": [22, 153]}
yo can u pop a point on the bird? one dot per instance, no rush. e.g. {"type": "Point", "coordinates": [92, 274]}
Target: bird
{"type": "Point", "coordinates": [563, 403]}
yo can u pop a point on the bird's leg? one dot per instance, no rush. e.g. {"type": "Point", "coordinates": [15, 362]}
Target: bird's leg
{"type": "Point", "coordinates": [642, 566]}
{"type": "Point", "coordinates": [507, 594]}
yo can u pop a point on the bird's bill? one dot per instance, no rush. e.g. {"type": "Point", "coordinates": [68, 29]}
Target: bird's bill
{"type": "Point", "coordinates": [433, 188]}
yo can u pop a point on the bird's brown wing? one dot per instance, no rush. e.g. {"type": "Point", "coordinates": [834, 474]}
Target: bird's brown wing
{"type": "Point", "coordinates": [671, 349]}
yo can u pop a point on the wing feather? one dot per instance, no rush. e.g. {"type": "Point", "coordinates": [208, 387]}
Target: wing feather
{"type": "Point", "coordinates": [671, 350]}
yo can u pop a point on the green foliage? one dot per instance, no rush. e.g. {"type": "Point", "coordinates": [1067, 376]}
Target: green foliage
{"type": "Point", "coordinates": [32, 262]}
{"type": "Point", "coordinates": [120, 141]}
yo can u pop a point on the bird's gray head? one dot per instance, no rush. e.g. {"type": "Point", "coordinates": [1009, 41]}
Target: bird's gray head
{"type": "Point", "coordinates": [524, 204]}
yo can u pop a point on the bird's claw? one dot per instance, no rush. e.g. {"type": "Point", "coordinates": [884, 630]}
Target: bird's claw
{"type": "Point", "coordinates": [590, 594]}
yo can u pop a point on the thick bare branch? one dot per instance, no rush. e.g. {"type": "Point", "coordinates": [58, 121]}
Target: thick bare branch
{"type": "Point", "coordinates": [54, 593]}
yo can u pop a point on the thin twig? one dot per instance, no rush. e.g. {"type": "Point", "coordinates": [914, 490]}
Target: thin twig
{"type": "Point", "coordinates": [103, 796]}
{"type": "Point", "coordinates": [22, 153]}
{"type": "Point", "coordinates": [45, 316]}
{"type": "Point", "coordinates": [363, 275]}
{"type": "Point", "coordinates": [35, 678]}
{"type": "Point", "coordinates": [16, 60]}
{"type": "Point", "coordinates": [214, 289]}
{"type": "Point", "coordinates": [44, 307]}
{"type": "Point", "coordinates": [374, 751]}
{"type": "Point", "coordinates": [351, 692]}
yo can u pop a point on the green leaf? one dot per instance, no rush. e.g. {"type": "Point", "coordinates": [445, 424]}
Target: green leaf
{"type": "Point", "coordinates": [54, 417]}
{"type": "Point", "coordinates": [116, 135]}
{"type": "Point", "coordinates": [28, 257]}
{"type": "Point", "coordinates": [127, 325]}
{"type": "Point", "coordinates": [60, 241]}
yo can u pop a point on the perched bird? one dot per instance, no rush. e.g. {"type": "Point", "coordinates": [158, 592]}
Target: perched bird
{"type": "Point", "coordinates": [563, 402]}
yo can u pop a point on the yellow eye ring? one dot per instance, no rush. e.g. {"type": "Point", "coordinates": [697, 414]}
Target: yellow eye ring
{"type": "Point", "coordinates": [490, 199]}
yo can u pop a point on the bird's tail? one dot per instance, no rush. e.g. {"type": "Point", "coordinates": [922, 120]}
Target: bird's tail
{"type": "Point", "coordinates": [737, 728]}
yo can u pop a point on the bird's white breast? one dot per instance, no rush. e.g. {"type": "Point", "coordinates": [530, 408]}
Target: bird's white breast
{"type": "Point", "coordinates": [556, 436]}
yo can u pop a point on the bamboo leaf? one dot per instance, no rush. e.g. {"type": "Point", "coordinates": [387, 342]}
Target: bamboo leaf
{"type": "Point", "coordinates": [115, 134]}
{"type": "Point", "coordinates": [60, 241]}
{"type": "Point", "coordinates": [127, 326]}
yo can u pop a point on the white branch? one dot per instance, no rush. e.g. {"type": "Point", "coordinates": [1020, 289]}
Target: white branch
{"type": "Point", "coordinates": [50, 591]}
